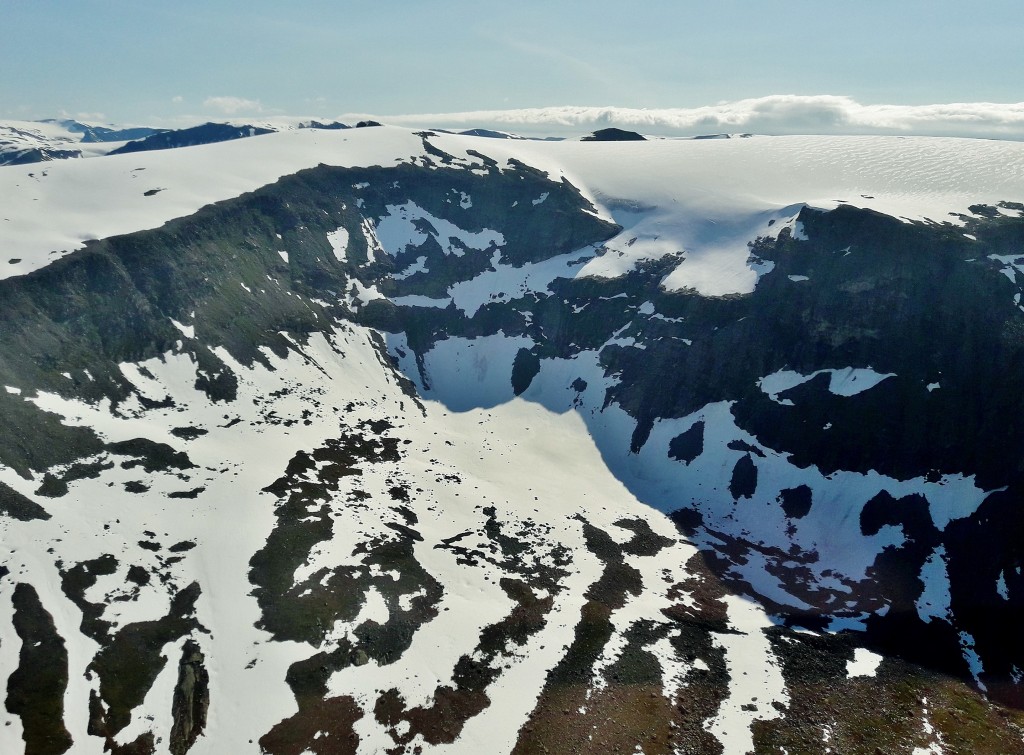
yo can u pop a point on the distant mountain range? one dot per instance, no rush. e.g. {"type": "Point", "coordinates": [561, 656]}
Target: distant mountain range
{"type": "Point", "coordinates": [25, 142]}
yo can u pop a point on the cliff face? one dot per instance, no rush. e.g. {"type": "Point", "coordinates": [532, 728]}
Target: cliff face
{"type": "Point", "coordinates": [346, 463]}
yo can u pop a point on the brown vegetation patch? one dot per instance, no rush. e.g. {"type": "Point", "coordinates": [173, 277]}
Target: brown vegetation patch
{"type": "Point", "coordinates": [885, 713]}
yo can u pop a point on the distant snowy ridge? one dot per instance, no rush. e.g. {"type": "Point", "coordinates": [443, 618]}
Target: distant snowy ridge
{"type": "Point", "coordinates": [23, 142]}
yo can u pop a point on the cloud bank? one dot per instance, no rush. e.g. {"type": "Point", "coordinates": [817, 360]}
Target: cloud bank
{"type": "Point", "coordinates": [776, 114]}
{"type": "Point", "coordinates": [232, 105]}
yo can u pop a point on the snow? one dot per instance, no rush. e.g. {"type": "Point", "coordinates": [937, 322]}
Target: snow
{"type": "Point", "coordinates": [403, 227]}
{"type": "Point", "coordinates": [851, 381]}
{"type": "Point", "coordinates": [848, 381]}
{"type": "Point", "coordinates": [1012, 266]}
{"type": "Point", "coordinates": [1001, 588]}
{"type": "Point", "coordinates": [339, 243]}
{"type": "Point", "coordinates": [418, 300]}
{"type": "Point", "coordinates": [188, 331]}
{"type": "Point", "coordinates": [656, 573]}
{"type": "Point", "coordinates": [937, 744]}
{"type": "Point", "coordinates": [16, 136]}
{"type": "Point", "coordinates": [469, 373]}
{"type": "Point", "coordinates": [253, 695]}
{"type": "Point", "coordinates": [830, 530]}
{"type": "Point", "coordinates": [77, 200]}
{"type": "Point", "coordinates": [934, 601]}
{"type": "Point", "coordinates": [374, 609]}
{"type": "Point", "coordinates": [717, 260]}
{"type": "Point", "coordinates": [373, 246]}
{"type": "Point", "coordinates": [501, 282]}
{"type": "Point", "coordinates": [755, 678]}
{"type": "Point", "coordinates": [360, 295]}
{"type": "Point", "coordinates": [154, 715]}
{"type": "Point", "coordinates": [568, 478]}
{"type": "Point", "coordinates": [419, 266]}
{"type": "Point", "coordinates": [914, 177]}
{"type": "Point", "coordinates": [714, 253]}
{"type": "Point", "coordinates": [507, 283]}
{"type": "Point", "coordinates": [972, 658]}
{"type": "Point", "coordinates": [864, 663]}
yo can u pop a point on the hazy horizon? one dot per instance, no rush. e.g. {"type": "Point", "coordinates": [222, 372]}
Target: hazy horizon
{"type": "Point", "coordinates": [122, 62]}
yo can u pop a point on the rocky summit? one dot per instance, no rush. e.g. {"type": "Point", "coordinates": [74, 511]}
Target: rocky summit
{"type": "Point", "coordinates": [390, 441]}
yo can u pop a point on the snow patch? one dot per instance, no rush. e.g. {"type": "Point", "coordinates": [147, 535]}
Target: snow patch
{"type": "Point", "coordinates": [935, 599]}
{"type": "Point", "coordinates": [755, 678]}
{"type": "Point", "coordinates": [848, 381]}
{"type": "Point", "coordinates": [189, 331]}
{"type": "Point", "coordinates": [419, 266]}
{"type": "Point", "coordinates": [409, 225]}
{"type": "Point", "coordinates": [864, 663]}
{"type": "Point", "coordinates": [339, 243]}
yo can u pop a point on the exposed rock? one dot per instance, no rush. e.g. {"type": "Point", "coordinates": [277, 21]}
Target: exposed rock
{"type": "Point", "coordinates": [35, 691]}
{"type": "Point", "coordinates": [191, 699]}
{"type": "Point", "coordinates": [613, 135]}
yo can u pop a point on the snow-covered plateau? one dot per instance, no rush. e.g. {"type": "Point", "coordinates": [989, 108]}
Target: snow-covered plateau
{"type": "Point", "coordinates": [375, 440]}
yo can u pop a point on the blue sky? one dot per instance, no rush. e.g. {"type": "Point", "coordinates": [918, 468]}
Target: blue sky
{"type": "Point", "coordinates": [142, 61]}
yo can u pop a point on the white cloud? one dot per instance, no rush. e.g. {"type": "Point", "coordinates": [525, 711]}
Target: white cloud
{"type": "Point", "coordinates": [776, 114]}
{"type": "Point", "coordinates": [232, 105]}
{"type": "Point", "coordinates": [177, 99]}
{"type": "Point", "coordinates": [82, 117]}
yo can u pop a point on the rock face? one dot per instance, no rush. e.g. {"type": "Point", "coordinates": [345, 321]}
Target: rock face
{"type": "Point", "coordinates": [35, 690]}
{"type": "Point", "coordinates": [436, 453]}
{"type": "Point", "coordinates": [208, 133]}
{"type": "Point", "coordinates": [191, 699]}
{"type": "Point", "coordinates": [613, 135]}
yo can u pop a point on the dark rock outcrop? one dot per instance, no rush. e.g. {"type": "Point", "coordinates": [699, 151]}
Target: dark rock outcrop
{"type": "Point", "coordinates": [191, 699]}
{"type": "Point", "coordinates": [614, 135]}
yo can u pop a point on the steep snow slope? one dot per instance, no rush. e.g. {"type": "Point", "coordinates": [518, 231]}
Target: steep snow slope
{"type": "Point", "coordinates": [472, 445]}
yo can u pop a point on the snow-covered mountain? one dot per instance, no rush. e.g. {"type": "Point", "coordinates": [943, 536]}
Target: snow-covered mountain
{"type": "Point", "coordinates": [385, 441]}
{"type": "Point", "coordinates": [25, 142]}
